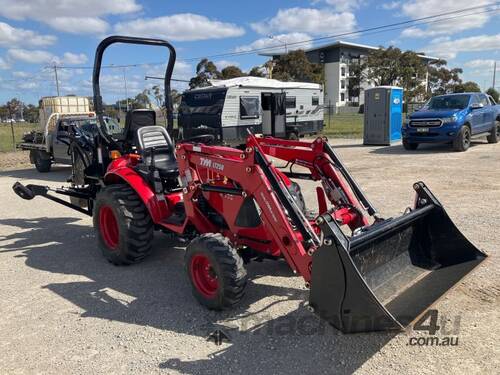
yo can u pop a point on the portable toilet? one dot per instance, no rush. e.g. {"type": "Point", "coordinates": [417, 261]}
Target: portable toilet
{"type": "Point", "coordinates": [383, 115]}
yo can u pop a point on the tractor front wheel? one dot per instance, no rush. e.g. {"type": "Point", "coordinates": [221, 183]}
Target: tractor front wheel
{"type": "Point", "coordinates": [123, 226]}
{"type": "Point", "coordinates": [216, 272]}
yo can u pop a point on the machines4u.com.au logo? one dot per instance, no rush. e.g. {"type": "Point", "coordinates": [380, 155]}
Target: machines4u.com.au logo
{"type": "Point", "coordinates": [437, 330]}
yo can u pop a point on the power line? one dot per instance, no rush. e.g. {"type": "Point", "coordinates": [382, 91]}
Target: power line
{"type": "Point", "coordinates": [437, 18]}
{"type": "Point", "coordinates": [371, 30]}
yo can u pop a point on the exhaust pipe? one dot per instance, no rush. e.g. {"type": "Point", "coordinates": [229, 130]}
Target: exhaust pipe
{"type": "Point", "coordinates": [387, 276]}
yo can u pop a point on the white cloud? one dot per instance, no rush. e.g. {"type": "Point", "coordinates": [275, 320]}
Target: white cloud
{"type": "Point", "coordinates": [424, 8]}
{"type": "Point", "coordinates": [11, 37]}
{"type": "Point", "coordinates": [4, 64]}
{"type": "Point", "coordinates": [73, 16]}
{"type": "Point", "coordinates": [221, 64]}
{"type": "Point", "coordinates": [344, 5]}
{"type": "Point", "coordinates": [391, 5]}
{"type": "Point", "coordinates": [74, 58]}
{"type": "Point", "coordinates": [276, 44]}
{"type": "Point", "coordinates": [21, 10]}
{"type": "Point", "coordinates": [20, 74]}
{"type": "Point", "coordinates": [180, 27]}
{"type": "Point", "coordinates": [307, 20]}
{"type": "Point", "coordinates": [480, 63]}
{"type": "Point", "coordinates": [45, 57]}
{"type": "Point", "coordinates": [79, 25]}
{"type": "Point", "coordinates": [449, 49]}
{"type": "Point", "coordinates": [31, 56]}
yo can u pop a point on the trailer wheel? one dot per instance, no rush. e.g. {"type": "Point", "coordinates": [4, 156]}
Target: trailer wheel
{"type": "Point", "coordinates": [463, 139]}
{"type": "Point", "coordinates": [409, 145]}
{"type": "Point", "coordinates": [41, 160]}
{"type": "Point", "coordinates": [123, 226]}
{"type": "Point", "coordinates": [216, 272]}
{"type": "Point", "coordinates": [494, 136]}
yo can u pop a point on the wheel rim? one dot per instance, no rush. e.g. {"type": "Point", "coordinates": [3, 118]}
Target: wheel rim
{"type": "Point", "coordinates": [109, 227]}
{"type": "Point", "coordinates": [466, 141]}
{"type": "Point", "coordinates": [203, 275]}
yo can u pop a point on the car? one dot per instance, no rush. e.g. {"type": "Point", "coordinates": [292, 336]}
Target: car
{"type": "Point", "coordinates": [455, 119]}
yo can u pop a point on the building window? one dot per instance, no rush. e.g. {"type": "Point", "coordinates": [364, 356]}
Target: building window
{"type": "Point", "coordinates": [290, 102]}
{"type": "Point", "coordinates": [342, 84]}
{"type": "Point", "coordinates": [342, 97]}
{"type": "Point", "coordinates": [249, 107]}
{"type": "Point", "coordinates": [342, 71]}
{"type": "Point", "coordinates": [315, 100]}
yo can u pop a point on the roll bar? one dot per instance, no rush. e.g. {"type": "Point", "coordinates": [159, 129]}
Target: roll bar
{"type": "Point", "coordinates": [105, 43]}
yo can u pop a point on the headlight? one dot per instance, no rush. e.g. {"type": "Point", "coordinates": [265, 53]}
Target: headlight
{"type": "Point", "coordinates": [447, 120]}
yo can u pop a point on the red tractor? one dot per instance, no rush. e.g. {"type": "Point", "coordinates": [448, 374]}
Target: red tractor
{"type": "Point", "coordinates": [365, 273]}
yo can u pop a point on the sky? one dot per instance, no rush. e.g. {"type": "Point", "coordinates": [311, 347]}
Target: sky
{"type": "Point", "coordinates": [37, 34]}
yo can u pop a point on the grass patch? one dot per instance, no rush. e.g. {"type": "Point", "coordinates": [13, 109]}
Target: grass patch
{"type": "Point", "coordinates": [6, 134]}
{"type": "Point", "coordinates": [344, 126]}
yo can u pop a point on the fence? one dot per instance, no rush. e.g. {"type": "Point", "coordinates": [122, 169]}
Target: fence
{"type": "Point", "coordinates": [412, 107]}
{"type": "Point", "coordinates": [12, 133]}
{"type": "Point", "coordinates": [343, 122]}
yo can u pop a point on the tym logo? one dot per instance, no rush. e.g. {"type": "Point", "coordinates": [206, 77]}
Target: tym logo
{"type": "Point", "coordinates": [204, 162]}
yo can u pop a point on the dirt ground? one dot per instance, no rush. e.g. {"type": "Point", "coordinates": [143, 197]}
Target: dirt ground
{"type": "Point", "coordinates": [14, 160]}
{"type": "Point", "coordinates": [64, 309]}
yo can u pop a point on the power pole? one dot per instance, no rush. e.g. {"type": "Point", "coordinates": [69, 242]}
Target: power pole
{"type": "Point", "coordinates": [57, 80]}
{"type": "Point", "coordinates": [494, 73]}
{"type": "Point", "coordinates": [126, 91]}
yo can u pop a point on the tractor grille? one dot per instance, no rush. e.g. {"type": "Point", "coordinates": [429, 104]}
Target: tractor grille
{"type": "Point", "coordinates": [427, 123]}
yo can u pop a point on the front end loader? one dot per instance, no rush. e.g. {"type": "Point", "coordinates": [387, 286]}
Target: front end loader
{"type": "Point", "coordinates": [365, 273]}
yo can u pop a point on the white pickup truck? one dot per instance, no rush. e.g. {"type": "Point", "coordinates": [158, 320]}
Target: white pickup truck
{"type": "Point", "coordinates": [50, 142]}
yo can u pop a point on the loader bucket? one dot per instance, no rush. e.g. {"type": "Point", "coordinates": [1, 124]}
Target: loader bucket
{"type": "Point", "coordinates": [387, 276]}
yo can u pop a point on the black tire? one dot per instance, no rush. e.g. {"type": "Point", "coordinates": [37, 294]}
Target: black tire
{"type": "Point", "coordinates": [78, 179]}
{"type": "Point", "coordinates": [463, 139]}
{"type": "Point", "coordinates": [134, 226]}
{"type": "Point", "coordinates": [494, 136]}
{"type": "Point", "coordinates": [42, 161]}
{"type": "Point", "coordinates": [409, 145]}
{"type": "Point", "coordinates": [225, 269]}
{"type": "Point", "coordinates": [293, 136]}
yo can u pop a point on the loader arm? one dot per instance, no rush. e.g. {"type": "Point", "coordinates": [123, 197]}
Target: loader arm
{"type": "Point", "coordinates": [225, 177]}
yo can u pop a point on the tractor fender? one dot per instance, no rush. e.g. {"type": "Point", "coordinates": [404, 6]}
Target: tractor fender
{"type": "Point", "coordinates": [157, 207]}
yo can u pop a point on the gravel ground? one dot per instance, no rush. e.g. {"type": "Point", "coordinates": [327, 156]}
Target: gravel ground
{"type": "Point", "coordinates": [64, 309]}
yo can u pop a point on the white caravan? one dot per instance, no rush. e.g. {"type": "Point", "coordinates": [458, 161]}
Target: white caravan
{"type": "Point", "coordinates": [227, 108]}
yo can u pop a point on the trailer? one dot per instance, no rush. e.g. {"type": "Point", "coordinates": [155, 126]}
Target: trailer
{"type": "Point", "coordinates": [227, 108]}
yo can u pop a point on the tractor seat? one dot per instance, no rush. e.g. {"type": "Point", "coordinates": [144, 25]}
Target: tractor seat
{"type": "Point", "coordinates": [154, 140]}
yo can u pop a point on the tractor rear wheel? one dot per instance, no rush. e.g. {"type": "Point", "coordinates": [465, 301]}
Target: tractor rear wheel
{"type": "Point", "coordinates": [215, 270]}
{"type": "Point", "coordinates": [123, 226]}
